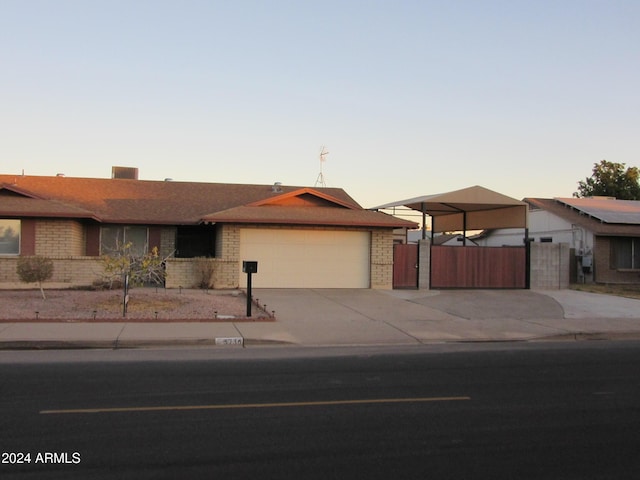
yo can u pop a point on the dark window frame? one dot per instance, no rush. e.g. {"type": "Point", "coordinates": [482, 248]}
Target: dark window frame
{"type": "Point", "coordinates": [624, 253]}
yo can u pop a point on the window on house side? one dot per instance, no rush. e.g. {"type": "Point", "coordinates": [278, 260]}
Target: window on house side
{"type": "Point", "coordinates": [9, 236]}
{"type": "Point", "coordinates": [625, 253]}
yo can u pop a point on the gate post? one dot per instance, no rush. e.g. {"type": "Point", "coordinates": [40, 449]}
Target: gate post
{"type": "Point", "coordinates": [424, 263]}
{"type": "Point", "coordinates": [527, 260]}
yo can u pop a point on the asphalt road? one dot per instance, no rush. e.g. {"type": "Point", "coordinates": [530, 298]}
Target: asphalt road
{"type": "Point", "coordinates": [550, 411]}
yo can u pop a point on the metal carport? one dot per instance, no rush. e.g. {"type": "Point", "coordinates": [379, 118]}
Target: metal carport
{"type": "Point", "coordinates": [473, 208]}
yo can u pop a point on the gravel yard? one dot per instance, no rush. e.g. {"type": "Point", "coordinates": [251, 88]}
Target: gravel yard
{"type": "Point", "coordinates": [145, 304]}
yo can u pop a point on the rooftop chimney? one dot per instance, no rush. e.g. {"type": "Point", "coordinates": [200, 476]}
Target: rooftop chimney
{"type": "Point", "coordinates": [130, 173]}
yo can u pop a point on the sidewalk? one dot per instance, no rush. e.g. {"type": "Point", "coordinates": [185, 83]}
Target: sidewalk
{"type": "Point", "coordinates": [310, 317]}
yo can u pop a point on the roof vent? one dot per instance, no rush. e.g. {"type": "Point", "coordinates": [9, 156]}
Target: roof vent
{"type": "Point", "coordinates": [276, 188]}
{"type": "Point", "coordinates": [57, 174]}
{"type": "Point", "coordinates": [168, 179]}
{"type": "Point", "coordinates": [130, 173]}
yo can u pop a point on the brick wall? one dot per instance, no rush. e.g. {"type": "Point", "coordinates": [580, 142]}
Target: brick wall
{"type": "Point", "coordinates": [68, 272]}
{"type": "Point", "coordinates": [8, 267]}
{"type": "Point", "coordinates": [603, 273]}
{"type": "Point", "coordinates": [228, 256]}
{"type": "Point", "coordinates": [185, 272]}
{"type": "Point", "coordinates": [63, 241]}
{"type": "Point", "coordinates": [382, 259]}
{"type": "Point", "coordinates": [59, 237]}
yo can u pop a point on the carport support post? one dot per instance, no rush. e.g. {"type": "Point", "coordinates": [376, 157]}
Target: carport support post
{"type": "Point", "coordinates": [464, 228]}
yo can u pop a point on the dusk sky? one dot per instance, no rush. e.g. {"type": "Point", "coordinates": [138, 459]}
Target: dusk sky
{"type": "Point", "coordinates": [410, 98]}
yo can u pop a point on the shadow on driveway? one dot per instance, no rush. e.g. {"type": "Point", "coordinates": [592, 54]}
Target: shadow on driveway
{"type": "Point", "coordinates": [487, 304]}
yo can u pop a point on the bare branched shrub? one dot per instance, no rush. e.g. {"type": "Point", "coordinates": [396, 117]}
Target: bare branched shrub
{"type": "Point", "coordinates": [204, 268]}
{"type": "Point", "coordinates": [35, 269]}
{"type": "Point", "coordinates": [142, 269]}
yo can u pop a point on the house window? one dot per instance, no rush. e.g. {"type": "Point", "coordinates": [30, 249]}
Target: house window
{"type": "Point", "coordinates": [195, 241]}
{"type": "Point", "coordinates": [9, 237]}
{"type": "Point", "coordinates": [625, 253]}
{"type": "Point", "coordinates": [113, 238]}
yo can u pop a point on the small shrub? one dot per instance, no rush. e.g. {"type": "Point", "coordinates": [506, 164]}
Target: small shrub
{"type": "Point", "coordinates": [35, 269]}
{"type": "Point", "coordinates": [205, 269]}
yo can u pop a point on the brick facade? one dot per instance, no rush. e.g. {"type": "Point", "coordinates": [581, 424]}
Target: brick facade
{"type": "Point", "coordinates": [603, 273]}
{"type": "Point", "coordinates": [228, 253]}
{"type": "Point", "coordinates": [59, 237]}
{"type": "Point", "coordinates": [382, 259]}
{"type": "Point", "coordinates": [64, 241]}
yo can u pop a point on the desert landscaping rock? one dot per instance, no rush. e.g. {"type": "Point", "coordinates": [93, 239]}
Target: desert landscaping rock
{"type": "Point", "coordinates": [145, 305]}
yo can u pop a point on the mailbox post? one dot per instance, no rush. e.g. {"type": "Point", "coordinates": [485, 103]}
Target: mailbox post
{"type": "Point", "coordinates": [249, 267]}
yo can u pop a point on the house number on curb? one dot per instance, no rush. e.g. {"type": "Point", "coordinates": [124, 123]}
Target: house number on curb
{"type": "Point", "coordinates": [229, 341]}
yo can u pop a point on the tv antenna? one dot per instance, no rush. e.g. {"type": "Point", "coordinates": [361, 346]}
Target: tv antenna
{"type": "Point", "coordinates": [320, 180]}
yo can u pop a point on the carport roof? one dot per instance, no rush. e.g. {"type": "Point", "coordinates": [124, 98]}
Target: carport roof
{"type": "Point", "coordinates": [471, 208]}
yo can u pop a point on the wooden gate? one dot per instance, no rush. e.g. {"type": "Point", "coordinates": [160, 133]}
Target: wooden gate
{"type": "Point", "coordinates": [478, 267]}
{"type": "Point", "coordinates": [405, 265]}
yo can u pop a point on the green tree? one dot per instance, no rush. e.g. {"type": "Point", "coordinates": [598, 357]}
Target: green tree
{"type": "Point", "coordinates": [35, 269]}
{"type": "Point", "coordinates": [610, 179]}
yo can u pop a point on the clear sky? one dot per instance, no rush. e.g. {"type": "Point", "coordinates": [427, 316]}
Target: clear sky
{"type": "Point", "coordinates": [409, 97]}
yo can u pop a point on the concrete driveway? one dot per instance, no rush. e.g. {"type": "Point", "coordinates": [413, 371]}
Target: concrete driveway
{"type": "Point", "coordinates": [376, 317]}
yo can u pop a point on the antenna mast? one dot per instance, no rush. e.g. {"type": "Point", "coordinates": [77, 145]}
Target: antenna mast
{"type": "Point", "coordinates": [320, 179]}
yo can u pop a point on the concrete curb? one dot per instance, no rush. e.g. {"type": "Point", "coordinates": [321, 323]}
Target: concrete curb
{"type": "Point", "coordinates": [142, 344]}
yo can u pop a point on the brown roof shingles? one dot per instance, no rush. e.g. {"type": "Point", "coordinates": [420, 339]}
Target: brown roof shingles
{"type": "Point", "coordinates": [307, 216]}
{"type": "Point", "coordinates": [158, 202]}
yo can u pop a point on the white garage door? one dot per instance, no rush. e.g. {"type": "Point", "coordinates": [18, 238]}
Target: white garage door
{"type": "Point", "coordinates": [306, 258]}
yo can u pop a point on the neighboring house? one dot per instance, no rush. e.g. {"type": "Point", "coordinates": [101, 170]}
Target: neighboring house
{"type": "Point", "coordinates": [301, 237]}
{"type": "Point", "coordinates": [603, 233]}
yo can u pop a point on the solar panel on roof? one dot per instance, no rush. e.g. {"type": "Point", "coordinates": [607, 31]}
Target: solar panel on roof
{"type": "Point", "coordinates": [607, 210]}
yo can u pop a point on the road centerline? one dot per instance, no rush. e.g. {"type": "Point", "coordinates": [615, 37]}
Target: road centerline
{"type": "Point", "coordinates": [254, 405]}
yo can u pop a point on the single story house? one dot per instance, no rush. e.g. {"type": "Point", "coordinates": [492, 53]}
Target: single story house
{"type": "Point", "coordinates": [603, 234]}
{"type": "Point", "coordinates": [300, 236]}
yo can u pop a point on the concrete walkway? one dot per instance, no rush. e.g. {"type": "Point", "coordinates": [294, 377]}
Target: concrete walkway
{"type": "Point", "coordinates": [320, 317]}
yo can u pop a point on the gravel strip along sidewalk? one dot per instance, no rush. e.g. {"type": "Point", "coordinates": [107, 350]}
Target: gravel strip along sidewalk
{"type": "Point", "coordinates": [145, 305]}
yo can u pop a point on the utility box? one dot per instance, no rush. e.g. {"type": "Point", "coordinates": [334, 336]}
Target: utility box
{"type": "Point", "coordinates": [249, 266]}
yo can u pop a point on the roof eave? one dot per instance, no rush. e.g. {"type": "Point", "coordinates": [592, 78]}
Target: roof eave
{"type": "Point", "coordinates": [311, 222]}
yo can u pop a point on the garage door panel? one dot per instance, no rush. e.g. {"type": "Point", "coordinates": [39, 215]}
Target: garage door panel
{"type": "Point", "coordinates": [306, 258]}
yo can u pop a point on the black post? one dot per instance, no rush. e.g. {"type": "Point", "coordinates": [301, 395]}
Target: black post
{"type": "Point", "coordinates": [249, 267]}
{"type": "Point", "coordinates": [125, 300]}
{"type": "Point", "coordinates": [249, 294]}
{"type": "Point", "coordinates": [527, 260]}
